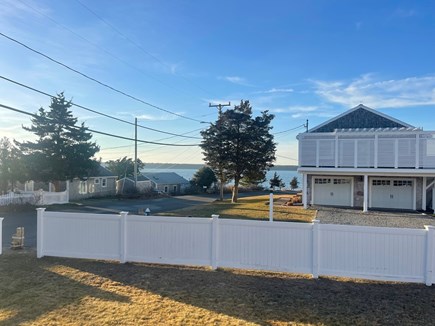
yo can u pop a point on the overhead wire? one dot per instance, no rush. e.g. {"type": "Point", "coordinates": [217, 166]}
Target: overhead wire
{"type": "Point", "coordinates": [100, 132]}
{"type": "Point", "coordinates": [99, 47]}
{"type": "Point", "coordinates": [283, 131]}
{"type": "Point", "coordinates": [138, 45]}
{"type": "Point", "coordinates": [95, 111]}
{"type": "Point", "coordinates": [97, 81]}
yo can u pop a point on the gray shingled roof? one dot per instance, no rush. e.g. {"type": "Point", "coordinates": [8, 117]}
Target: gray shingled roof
{"type": "Point", "coordinates": [170, 178]}
{"type": "Point", "coordinates": [103, 172]}
{"type": "Point", "coordinates": [360, 117]}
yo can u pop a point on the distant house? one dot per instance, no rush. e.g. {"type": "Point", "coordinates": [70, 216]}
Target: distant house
{"type": "Point", "coordinates": [126, 184]}
{"type": "Point", "coordinates": [103, 184]}
{"type": "Point", "coordinates": [364, 158]}
{"type": "Point", "coordinates": [168, 182]}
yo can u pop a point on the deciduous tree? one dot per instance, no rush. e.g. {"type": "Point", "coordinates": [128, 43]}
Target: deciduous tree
{"type": "Point", "coordinates": [239, 144]}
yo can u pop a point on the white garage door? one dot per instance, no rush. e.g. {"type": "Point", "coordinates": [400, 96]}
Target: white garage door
{"type": "Point", "coordinates": [392, 193]}
{"type": "Point", "coordinates": [332, 191]}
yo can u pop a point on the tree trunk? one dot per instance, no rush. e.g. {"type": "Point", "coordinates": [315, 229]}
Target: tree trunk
{"type": "Point", "coordinates": [221, 183]}
{"type": "Point", "coordinates": [235, 196]}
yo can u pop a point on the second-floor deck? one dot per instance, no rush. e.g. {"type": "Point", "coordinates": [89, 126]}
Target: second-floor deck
{"type": "Point", "coordinates": [404, 148]}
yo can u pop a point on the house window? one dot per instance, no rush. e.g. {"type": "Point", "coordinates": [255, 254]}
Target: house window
{"type": "Point", "coordinates": [381, 182]}
{"type": "Point", "coordinates": [103, 182]}
{"type": "Point", "coordinates": [341, 181]}
{"type": "Point", "coordinates": [322, 181]}
{"type": "Point", "coordinates": [166, 189]}
{"type": "Point", "coordinates": [175, 188]}
{"type": "Point", "coordinates": [402, 183]}
{"type": "Point", "coordinates": [97, 181]}
{"type": "Point", "coordinates": [83, 189]}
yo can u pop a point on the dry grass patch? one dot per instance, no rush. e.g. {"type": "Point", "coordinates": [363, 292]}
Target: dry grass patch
{"type": "Point", "coordinates": [57, 291]}
{"type": "Point", "coordinates": [255, 207]}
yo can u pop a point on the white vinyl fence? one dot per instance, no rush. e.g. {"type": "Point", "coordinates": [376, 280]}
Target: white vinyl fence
{"type": "Point", "coordinates": [1, 235]}
{"type": "Point", "coordinates": [319, 249]}
{"type": "Point", "coordinates": [39, 197]}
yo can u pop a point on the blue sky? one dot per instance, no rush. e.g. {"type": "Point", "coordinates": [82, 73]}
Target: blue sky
{"type": "Point", "coordinates": [298, 59]}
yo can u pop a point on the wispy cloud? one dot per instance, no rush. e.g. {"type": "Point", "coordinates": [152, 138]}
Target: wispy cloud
{"type": "Point", "coordinates": [371, 91]}
{"type": "Point", "coordinates": [299, 111]}
{"type": "Point", "coordinates": [277, 90]}
{"type": "Point", "coordinates": [404, 13]}
{"type": "Point", "coordinates": [236, 80]}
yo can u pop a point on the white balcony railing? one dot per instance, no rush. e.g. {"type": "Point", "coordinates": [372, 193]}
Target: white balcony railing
{"type": "Point", "coordinates": [398, 150]}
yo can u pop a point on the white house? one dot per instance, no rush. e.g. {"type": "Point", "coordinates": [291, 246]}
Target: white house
{"type": "Point", "coordinates": [364, 158]}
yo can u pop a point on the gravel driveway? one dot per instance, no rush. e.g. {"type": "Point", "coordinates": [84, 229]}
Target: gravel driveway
{"type": "Point", "coordinates": [415, 220]}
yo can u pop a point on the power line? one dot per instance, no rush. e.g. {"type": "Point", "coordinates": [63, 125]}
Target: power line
{"type": "Point", "coordinates": [286, 157]}
{"type": "Point", "coordinates": [98, 46]}
{"type": "Point", "coordinates": [139, 46]}
{"type": "Point", "coordinates": [97, 81]}
{"type": "Point", "coordinates": [281, 132]}
{"type": "Point", "coordinates": [96, 131]}
{"type": "Point", "coordinates": [94, 111]}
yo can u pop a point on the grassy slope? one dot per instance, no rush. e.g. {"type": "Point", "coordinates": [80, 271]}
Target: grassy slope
{"type": "Point", "coordinates": [255, 207]}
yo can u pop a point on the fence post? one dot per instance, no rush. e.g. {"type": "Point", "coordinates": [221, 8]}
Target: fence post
{"type": "Point", "coordinates": [40, 232]}
{"type": "Point", "coordinates": [1, 232]}
{"type": "Point", "coordinates": [315, 248]}
{"type": "Point", "coordinates": [271, 205]}
{"type": "Point", "coordinates": [123, 237]}
{"type": "Point", "coordinates": [429, 254]}
{"type": "Point", "coordinates": [214, 241]}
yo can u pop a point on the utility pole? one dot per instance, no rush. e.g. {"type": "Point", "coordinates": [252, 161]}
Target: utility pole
{"type": "Point", "coordinates": [306, 126]}
{"type": "Point", "coordinates": [135, 153]}
{"type": "Point", "coordinates": [219, 106]}
{"type": "Point", "coordinates": [221, 171]}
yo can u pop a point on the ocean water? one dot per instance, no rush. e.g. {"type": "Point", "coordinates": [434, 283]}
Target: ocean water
{"type": "Point", "coordinates": [285, 175]}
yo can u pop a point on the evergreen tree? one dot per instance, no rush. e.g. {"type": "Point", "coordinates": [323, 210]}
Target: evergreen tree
{"type": "Point", "coordinates": [239, 145]}
{"type": "Point", "coordinates": [11, 167]}
{"type": "Point", "coordinates": [204, 177]}
{"type": "Point", "coordinates": [294, 183]}
{"type": "Point", "coordinates": [276, 181]}
{"type": "Point", "coordinates": [124, 166]}
{"type": "Point", "coordinates": [63, 151]}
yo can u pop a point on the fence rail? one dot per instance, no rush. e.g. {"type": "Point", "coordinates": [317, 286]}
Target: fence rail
{"type": "Point", "coordinates": [377, 253]}
{"type": "Point", "coordinates": [1, 235]}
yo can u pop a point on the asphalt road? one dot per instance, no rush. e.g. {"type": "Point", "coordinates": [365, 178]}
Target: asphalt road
{"type": "Point", "coordinates": [27, 219]}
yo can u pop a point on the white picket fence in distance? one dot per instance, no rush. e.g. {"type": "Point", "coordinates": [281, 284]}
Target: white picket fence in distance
{"type": "Point", "coordinates": [390, 254]}
{"type": "Point", "coordinates": [38, 197]}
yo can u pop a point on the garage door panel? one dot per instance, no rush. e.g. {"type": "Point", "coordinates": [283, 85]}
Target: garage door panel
{"type": "Point", "coordinates": [332, 191]}
{"type": "Point", "coordinates": [392, 193]}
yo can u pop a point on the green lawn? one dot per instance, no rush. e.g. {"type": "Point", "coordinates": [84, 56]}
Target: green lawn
{"type": "Point", "coordinates": [255, 207]}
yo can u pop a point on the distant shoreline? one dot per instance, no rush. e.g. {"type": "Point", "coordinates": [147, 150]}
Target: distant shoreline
{"type": "Point", "coordinates": [198, 166]}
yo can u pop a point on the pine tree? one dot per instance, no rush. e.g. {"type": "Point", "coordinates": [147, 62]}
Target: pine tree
{"type": "Point", "coordinates": [11, 167]}
{"type": "Point", "coordinates": [239, 145]}
{"type": "Point", "coordinates": [294, 183]}
{"type": "Point", "coordinates": [204, 177]}
{"type": "Point", "coordinates": [63, 151]}
{"type": "Point", "coordinates": [276, 181]}
{"type": "Point", "coordinates": [124, 166]}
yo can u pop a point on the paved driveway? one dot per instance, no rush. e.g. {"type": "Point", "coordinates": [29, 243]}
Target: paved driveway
{"type": "Point", "coordinates": [108, 206]}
